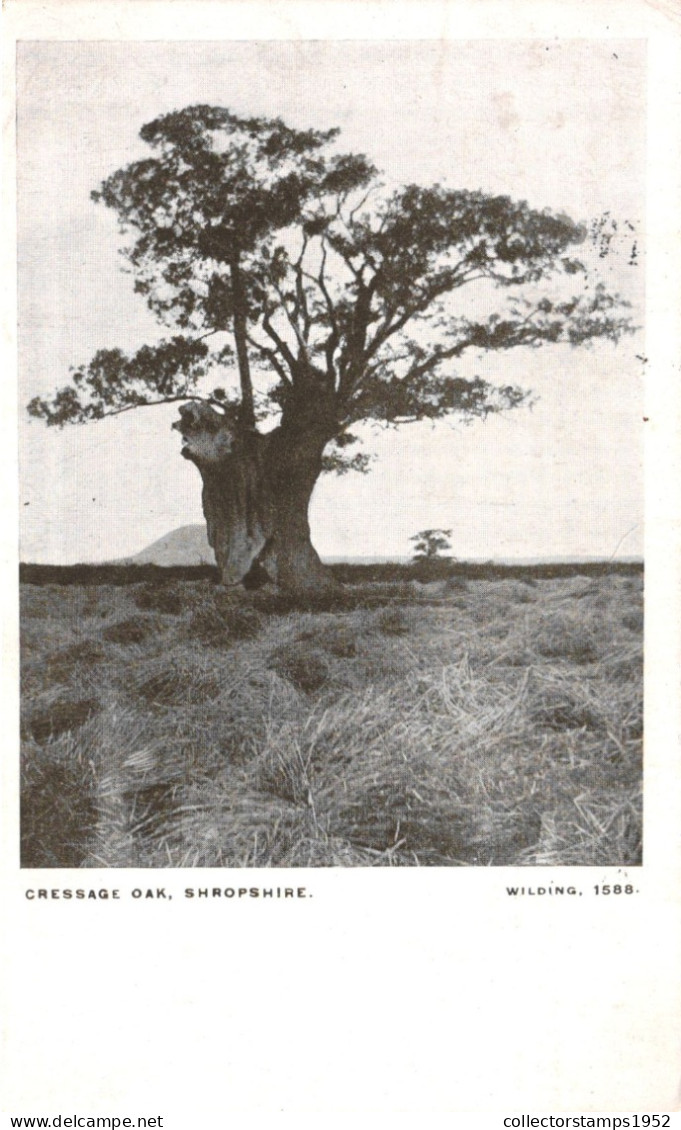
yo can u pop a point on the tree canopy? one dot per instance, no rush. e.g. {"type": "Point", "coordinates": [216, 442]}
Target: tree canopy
{"type": "Point", "coordinates": [269, 253]}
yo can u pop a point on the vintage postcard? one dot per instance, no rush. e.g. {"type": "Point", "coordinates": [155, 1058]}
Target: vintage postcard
{"type": "Point", "coordinates": [341, 457]}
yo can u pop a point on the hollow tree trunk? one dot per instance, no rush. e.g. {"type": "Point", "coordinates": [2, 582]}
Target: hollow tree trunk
{"type": "Point", "coordinates": [293, 463]}
{"type": "Point", "coordinates": [256, 495]}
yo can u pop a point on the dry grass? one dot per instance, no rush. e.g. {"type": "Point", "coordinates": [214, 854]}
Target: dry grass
{"type": "Point", "coordinates": [305, 667]}
{"type": "Point", "coordinates": [475, 723]}
{"type": "Point", "coordinates": [337, 639]}
{"type": "Point", "coordinates": [55, 714]}
{"type": "Point", "coordinates": [167, 598]}
{"type": "Point", "coordinates": [133, 629]}
{"type": "Point", "coordinates": [392, 622]}
{"type": "Point", "coordinates": [219, 620]}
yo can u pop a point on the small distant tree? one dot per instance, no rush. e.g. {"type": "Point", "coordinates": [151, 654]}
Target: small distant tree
{"type": "Point", "coordinates": [431, 559]}
{"type": "Point", "coordinates": [430, 544]}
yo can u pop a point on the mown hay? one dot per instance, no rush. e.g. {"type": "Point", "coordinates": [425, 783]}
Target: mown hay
{"type": "Point", "coordinates": [207, 626]}
{"type": "Point", "coordinates": [633, 620]}
{"type": "Point", "coordinates": [133, 630]}
{"type": "Point", "coordinates": [167, 598]}
{"type": "Point", "coordinates": [304, 667]}
{"type": "Point", "coordinates": [564, 712]}
{"type": "Point", "coordinates": [422, 808]}
{"type": "Point", "coordinates": [319, 850]}
{"type": "Point", "coordinates": [233, 826]}
{"type": "Point", "coordinates": [565, 715]}
{"type": "Point", "coordinates": [503, 592]}
{"type": "Point", "coordinates": [624, 664]}
{"type": "Point", "coordinates": [241, 623]}
{"type": "Point", "coordinates": [58, 810]}
{"type": "Point", "coordinates": [560, 636]}
{"type": "Point", "coordinates": [175, 681]}
{"type": "Point", "coordinates": [429, 749]}
{"type": "Point", "coordinates": [284, 772]}
{"type": "Point", "coordinates": [338, 639]}
{"type": "Point", "coordinates": [591, 830]}
{"type": "Point", "coordinates": [392, 622]}
{"type": "Point", "coordinates": [61, 714]}
{"type": "Point", "coordinates": [565, 704]}
{"type": "Point", "coordinates": [271, 601]}
{"type": "Point", "coordinates": [219, 622]}
{"type": "Point", "coordinates": [62, 664]}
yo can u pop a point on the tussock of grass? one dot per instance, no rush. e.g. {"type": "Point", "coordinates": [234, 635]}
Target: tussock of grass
{"type": "Point", "coordinates": [243, 623]}
{"type": "Point", "coordinates": [633, 620]}
{"type": "Point", "coordinates": [235, 829]}
{"type": "Point", "coordinates": [624, 664]}
{"type": "Point", "coordinates": [166, 598]}
{"type": "Point", "coordinates": [563, 704]}
{"type": "Point", "coordinates": [132, 630]}
{"type": "Point", "coordinates": [62, 713]}
{"type": "Point", "coordinates": [206, 626]}
{"type": "Point", "coordinates": [337, 639]}
{"type": "Point", "coordinates": [362, 770]}
{"type": "Point", "coordinates": [422, 807]}
{"type": "Point", "coordinates": [564, 636]}
{"type": "Point", "coordinates": [219, 621]}
{"type": "Point", "coordinates": [502, 592]}
{"type": "Point", "coordinates": [58, 805]}
{"type": "Point", "coordinates": [584, 832]}
{"type": "Point", "coordinates": [272, 602]}
{"type": "Point", "coordinates": [573, 588]}
{"type": "Point", "coordinates": [344, 598]}
{"type": "Point", "coordinates": [303, 666]}
{"type": "Point", "coordinates": [284, 771]}
{"type": "Point", "coordinates": [456, 586]}
{"type": "Point", "coordinates": [61, 665]}
{"type": "Point", "coordinates": [392, 622]}
{"type": "Point", "coordinates": [174, 681]}
{"type": "Point", "coordinates": [120, 763]}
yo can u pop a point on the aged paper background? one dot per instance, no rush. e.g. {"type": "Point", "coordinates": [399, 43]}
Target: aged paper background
{"type": "Point", "coordinates": [415, 991]}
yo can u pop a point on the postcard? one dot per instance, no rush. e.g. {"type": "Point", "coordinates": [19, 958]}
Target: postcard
{"type": "Point", "coordinates": [341, 768]}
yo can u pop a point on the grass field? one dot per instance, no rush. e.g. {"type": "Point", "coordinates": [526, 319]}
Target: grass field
{"type": "Point", "coordinates": [466, 722]}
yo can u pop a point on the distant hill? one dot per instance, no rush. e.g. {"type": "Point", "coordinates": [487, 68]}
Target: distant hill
{"type": "Point", "coordinates": [187, 545]}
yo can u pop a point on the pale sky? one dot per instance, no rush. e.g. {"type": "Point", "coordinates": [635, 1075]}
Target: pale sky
{"type": "Point", "coordinates": [560, 125]}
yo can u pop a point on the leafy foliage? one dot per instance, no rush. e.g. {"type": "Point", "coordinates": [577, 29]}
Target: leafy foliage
{"type": "Point", "coordinates": [114, 382]}
{"type": "Point", "coordinates": [268, 251]}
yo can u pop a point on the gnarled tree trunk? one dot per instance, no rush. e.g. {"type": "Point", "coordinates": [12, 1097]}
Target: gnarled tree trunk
{"type": "Point", "coordinates": [256, 495]}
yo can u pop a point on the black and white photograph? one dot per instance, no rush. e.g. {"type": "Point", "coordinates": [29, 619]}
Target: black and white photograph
{"type": "Point", "coordinates": [331, 360]}
{"type": "Point", "coordinates": [340, 489]}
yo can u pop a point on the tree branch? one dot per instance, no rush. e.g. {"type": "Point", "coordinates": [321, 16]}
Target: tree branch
{"type": "Point", "coordinates": [271, 357]}
{"type": "Point", "coordinates": [240, 340]}
{"type": "Point", "coordinates": [291, 318]}
{"type": "Point", "coordinates": [103, 414]}
{"type": "Point", "coordinates": [219, 404]}
{"type": "Point", "coordinates": [354, 356]}
{"type": "Point", "coordinates": [280, 344]}
{"type": "Point", "coordinates": [332, 341]}
{"type": "Point", "coordinates": [390, 327]}
{"type": "Point", "coordinates": [301, 308]}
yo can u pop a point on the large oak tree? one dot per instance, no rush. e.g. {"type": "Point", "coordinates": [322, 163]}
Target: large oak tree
{"type": "Point", "coordinates": [271, 255]}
